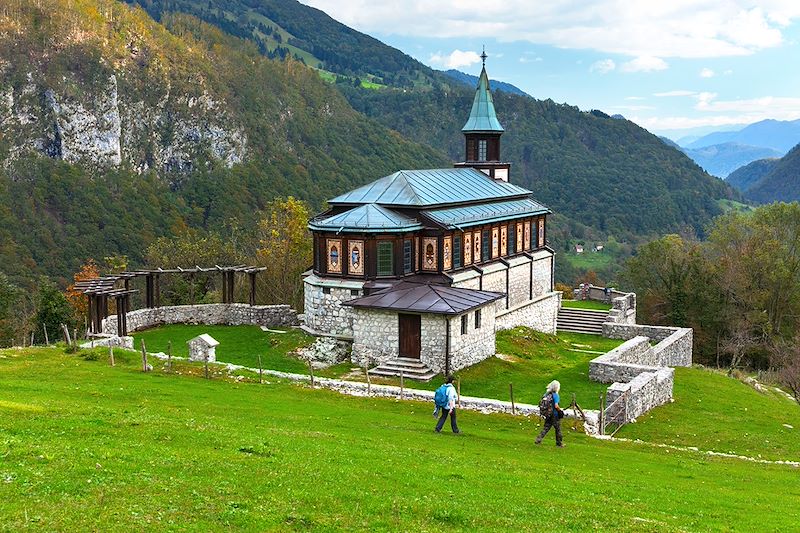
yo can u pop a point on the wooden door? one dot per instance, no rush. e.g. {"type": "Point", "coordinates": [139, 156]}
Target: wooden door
{"type": "Point", "coordinates": [410, 335]}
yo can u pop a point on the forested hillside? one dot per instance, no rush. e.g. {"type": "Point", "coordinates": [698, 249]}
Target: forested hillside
{"type": "Point", "coordinates": [781, 183]}
{"type": "Point", "coordinates": [115, 129]}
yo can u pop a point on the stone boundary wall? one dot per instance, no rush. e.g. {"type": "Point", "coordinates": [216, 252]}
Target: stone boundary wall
{"type": "Point", "coordinates": [208, 314]}
{"type": "Point", "coordinates": [540, 314]}
{"type": "Point", "coordinates": [109, 340]}
{"type": "Point", "coordinates": [642, 371]}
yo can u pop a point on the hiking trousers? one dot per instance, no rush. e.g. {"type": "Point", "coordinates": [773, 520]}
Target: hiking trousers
{"type": "Point", "coordinates": [551, 422]}
{"type": "Point", "coordinates": [443, 417]}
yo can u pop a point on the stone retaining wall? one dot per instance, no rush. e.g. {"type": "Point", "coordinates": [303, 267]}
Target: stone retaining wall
{"type": "Point", "coordinates": [641, 371]}
{"type": "Point", "coordinates": [109, 340]}
{"type": "Point", "coordinates": [209, 314]}
{"type": "Point", "coordinates": [540, 314]}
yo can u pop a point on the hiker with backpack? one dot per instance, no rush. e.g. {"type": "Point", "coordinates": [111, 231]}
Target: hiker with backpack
{"type": "Point", "coordinates": [445, 399]}
{"type": "Point", "coordinates": [551, 412]}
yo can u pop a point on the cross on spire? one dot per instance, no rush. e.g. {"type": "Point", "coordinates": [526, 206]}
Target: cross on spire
{"type": "Point", "coordinates": [484, 56]}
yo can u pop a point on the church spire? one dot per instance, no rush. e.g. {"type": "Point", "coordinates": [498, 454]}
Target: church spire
{"type": "Point", "coordinates": [482, 117]}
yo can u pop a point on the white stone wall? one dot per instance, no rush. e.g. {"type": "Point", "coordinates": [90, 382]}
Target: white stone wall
{"type": "Point", "coordinates": [519, 285]}
{"type": "Point", "coordinates": [494, 280]}
{"type": "Point", "coordinates": [540, 314]}
{"type": "Point", "coordinates": [324, 312]}
{"type": "Point", "coordinates": [542, 270]}
{"type": "Point", "coordinates": [376, 336]}
{"type": "Point", "coordinates": [477, 345]}
{"type": "Point", "coordinates": [210, 314]}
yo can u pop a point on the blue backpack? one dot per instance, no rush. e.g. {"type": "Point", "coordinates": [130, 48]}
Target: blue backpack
{"type": "Point", "coordinates": [440, 397]}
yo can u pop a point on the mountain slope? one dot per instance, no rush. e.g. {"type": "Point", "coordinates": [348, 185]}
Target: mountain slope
{"type": "Point", "coordinates": [472, 81]}
{"type": "Point", "coordinates": [744, 178]}
{"type": "Point", "coordinates": [722, 159]}
{"type": "Point", "coordinates": [780, 135]}
{"type": "Point", "coordinates": [781, 183]}
{"type": "Point", "coordinates": [158, 129]}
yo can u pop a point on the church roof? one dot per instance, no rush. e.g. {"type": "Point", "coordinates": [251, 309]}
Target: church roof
{"type": "Point", "coordinates": [366, 218]}
{"type": "Point", "coordinates": [424, 298]}
{"type": "Point", "coordinates": [482, 117]}
{"type": "Point", "coordinates": [471, 215]}
{"type": "Point", "coordinates": [433, 187]}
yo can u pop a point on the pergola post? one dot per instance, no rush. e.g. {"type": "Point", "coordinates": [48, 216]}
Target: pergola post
{"type": "Point", "coordinates": [224, 287]}
{"type": "Point", "coordinates": [231, 275]}
{"type": "Point", "coordinates": [120, 316]}
{"type": "Point", "coordinates": [252, 288]}
{"type": "Point", "coordinates": [157, 291]}
{"type": "Point", "coordinates": [127, 283]}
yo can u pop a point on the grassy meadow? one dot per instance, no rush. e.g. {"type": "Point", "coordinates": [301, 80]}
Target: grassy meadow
{"type": "Point", "coordinates": [84, 446]}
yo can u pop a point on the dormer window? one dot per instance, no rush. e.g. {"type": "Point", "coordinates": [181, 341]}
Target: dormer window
{"type": "Point", "coordinates": [482, 147]}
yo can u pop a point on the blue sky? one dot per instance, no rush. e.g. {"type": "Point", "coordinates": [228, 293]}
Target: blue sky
{"type": "Point", "coordinates": [669, 66]}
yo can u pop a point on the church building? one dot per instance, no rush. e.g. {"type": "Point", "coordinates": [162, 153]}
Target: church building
{"type": "Point", "coordinates": [420, 268]}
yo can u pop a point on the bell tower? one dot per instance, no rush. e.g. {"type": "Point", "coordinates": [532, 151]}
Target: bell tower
{"type": "Point", "coordinates": [482, 133]}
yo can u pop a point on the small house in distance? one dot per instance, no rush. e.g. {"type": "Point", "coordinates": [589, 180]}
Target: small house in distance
{"type": "Point", "coordinates": [420, 268]}
{"type": "Point", "coordinates": [578, 248]}
{"type": "Point", "coordinates": [203, 348]}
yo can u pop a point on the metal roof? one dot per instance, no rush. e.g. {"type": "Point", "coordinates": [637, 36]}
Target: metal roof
{"type": "Point", "coordinates": [366, 218]}
{"type": "Point", "coordinates": [482, 117]}
{"type": "Point", "coordinates": [423, 298]}
{"type": "Point", "coordinates": [471, 215]}
{"type": "Point", "coordinates": [432, 187]}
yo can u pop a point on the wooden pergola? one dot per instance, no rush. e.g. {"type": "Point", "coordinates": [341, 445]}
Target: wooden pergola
{"type": "Point", "coordinates": [99, 290]}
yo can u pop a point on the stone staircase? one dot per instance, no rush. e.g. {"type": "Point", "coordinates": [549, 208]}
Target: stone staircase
{"type": "Point", "coordinates": [411, 369]}
{"type": "Point", "coordinates": [581, 320]}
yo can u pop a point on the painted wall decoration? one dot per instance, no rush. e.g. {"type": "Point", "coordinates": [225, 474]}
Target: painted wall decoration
{"type": "Point", "coordinates": [504, 240]}
{"type": "Point", "coordinates": [356, 257]}
{"type": "Point", "coordinates": [429, 259]}
{"type": "Point", "coordinates": [416, 251]}
{"type": "Point", "coordinates": [467, 248]}
{"type": "Point", "coordinates": [495, 242]}
{"type": "Point", "coordinates": [476, 246]}
{"type": "Point", "coordinates": [447, 253]}
{"type": "Point", "coordinates": [519, 237]}
{"type": "Point", "coordinates": [527, 236]}
{"type": "Point", "coordinates": [335, 256]}
{"type": "Point", "coordinates": [541, 233]}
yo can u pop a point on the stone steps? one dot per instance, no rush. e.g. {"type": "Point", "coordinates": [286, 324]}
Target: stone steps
{"type": "Point", "coordinates": [410, 368]}
{"type": "Point", "coordinates": [581, 320]}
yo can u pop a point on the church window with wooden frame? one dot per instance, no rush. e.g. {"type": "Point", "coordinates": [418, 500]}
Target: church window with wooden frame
{"type": "Point", "coordinates": [464, 324]}
{"type": "Point", "coordinates": [385, 258]}
{"type": "Point", "coordinates": [447, 253]}
{"type": "Point", "coordinates": [485, 245]}
{"type": "Point", "coordinates": [429, 259]}
{"type": "Point", "coordinates": [482, 149]}
{"type": "Point", "coordinates": [541, 233]}
{"type": "Point", "coordinates": [335, 256]}
{"type": "Point", "coordinates": [408, 256]}
{"type": "Point", "coordinates": [512, 239]}
{"type": "Point", "coordinates": [527, 237]}
{"type": "Point", "coordinates": [457, 251]}
{"type": "Point", "coordinates": [355, 256]}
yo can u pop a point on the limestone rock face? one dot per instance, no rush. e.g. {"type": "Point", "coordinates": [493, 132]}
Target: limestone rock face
{"type": "Point", "coordinates": [107, 127]}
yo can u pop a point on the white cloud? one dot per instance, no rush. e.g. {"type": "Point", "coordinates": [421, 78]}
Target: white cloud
{"type": "Point", "coordinates": [644, 64]}
{"type": "Point", "coordinates": [603, 66]}
{"type": "Point", "coordinates": [707, 73]}
{"type": "Point", "coordinates": [678, 28]}
{"type": "Point", "coordinates": [526, 59]}
{"type": "Point", "coordinates": [635, 98]}
{"type": "Point", "coordinates": [455, 59]}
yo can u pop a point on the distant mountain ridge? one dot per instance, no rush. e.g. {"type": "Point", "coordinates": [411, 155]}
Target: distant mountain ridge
{"type": "Point", "coordinates": [722, 159]}
{"type": "Point", "coordinates": [472, 81]}
{"type": "Point", "coordinates": [770, 180]}
{"type": "Point", "coordinates": [779, 135]}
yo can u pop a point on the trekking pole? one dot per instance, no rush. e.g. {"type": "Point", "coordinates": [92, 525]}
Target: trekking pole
{"type": "Point", "coordinates": [511, 391]}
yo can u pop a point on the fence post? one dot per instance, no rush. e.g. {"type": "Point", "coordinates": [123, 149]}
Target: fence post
{"type": "Point", "coordinates": [46, 338]}
{"type": "Point", "coordinates": [369, 383]}
{"type": "Point", "coordinates": [111, 354]}
{"type": "Point", "coordinates": [602, 417]}
{"type": "Point", "coordinates": [260, 371]}
{"type": "Point", "coordinates": [169, 356]}
{"type": "Point", "coordinates": [511, 392]}
{"type": "Point", "coordinates": [310, 372]}
{"type": "Point", "coordinates": [205, 364]}
{"type": "Point", "coordinates": [144, 357]}
{"type": "Point", "coordinates": [401, 385]}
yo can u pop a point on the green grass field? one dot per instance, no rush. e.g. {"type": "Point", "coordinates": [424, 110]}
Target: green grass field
{"type": "Point", "coordinates": [84, 446]}
{"type": "Point", "coordinates": [588, 260]}
{"type": "Point", "coordinates": [238, 344]}
{"type": "Point", "coordinates": [586, 304]}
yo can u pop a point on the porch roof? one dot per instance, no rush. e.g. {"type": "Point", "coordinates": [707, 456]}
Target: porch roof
{"type": "Point", "coordinates": [424, 298]}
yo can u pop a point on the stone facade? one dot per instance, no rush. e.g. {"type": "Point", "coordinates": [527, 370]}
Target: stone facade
{"type": "Point", "coordinates": [324, 311]}
{"type": "Point", "coordinates": [209, 314]}
{"type": "Point", "coordinates": [540, 314]}
{"type": "Point", "coordinates": [376, 338]}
